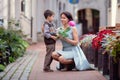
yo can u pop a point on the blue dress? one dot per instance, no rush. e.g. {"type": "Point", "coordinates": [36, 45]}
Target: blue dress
{"type": "Point", "coordinates": [70, 51]}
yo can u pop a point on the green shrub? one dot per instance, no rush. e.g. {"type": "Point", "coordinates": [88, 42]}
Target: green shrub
{"type": "Point", "coordinates": [12, 43]}
{"type": "Point", "coordinates": [2, 67]}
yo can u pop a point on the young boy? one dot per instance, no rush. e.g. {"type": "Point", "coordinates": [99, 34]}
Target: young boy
{"type": "Point", "coordinates": [49, 39]}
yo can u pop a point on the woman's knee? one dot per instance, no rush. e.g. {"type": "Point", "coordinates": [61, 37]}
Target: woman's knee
{"type": "Point", "coordinates": [62, 60]}
{"type": "Point", "coordinates": [55, 55]}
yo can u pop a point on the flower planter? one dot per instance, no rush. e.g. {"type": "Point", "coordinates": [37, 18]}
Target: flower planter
{"type": "Point", "coordinates": [89, 52]}
{"type": "Point", "coordinates": [96, 58]}
{"type": "Point", "coordinates": [105, 65]}
{"type": "Point", "coordinates": [119, 69]}
{"type": "Point", "coordinates": [100, 59]}
{"type": "Point", "coordinates": [113, 69]}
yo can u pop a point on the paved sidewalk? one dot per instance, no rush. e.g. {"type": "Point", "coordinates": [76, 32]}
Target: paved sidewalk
{"type": "Point", "coordinates": [20, 69]}
{"type": "Point", "coordinates": [38, 74]}
{"type": "Point", "coordinates": [30, 67]}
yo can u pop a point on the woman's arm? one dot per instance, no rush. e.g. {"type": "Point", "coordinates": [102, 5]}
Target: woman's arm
{"type": "Point", "coordinates": [75, 37]}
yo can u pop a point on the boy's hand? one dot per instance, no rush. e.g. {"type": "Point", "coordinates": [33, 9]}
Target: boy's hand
{"type": "Point", "coordinates": [54, 37]}
{"type": "Point", "coordinates": [61, 37]}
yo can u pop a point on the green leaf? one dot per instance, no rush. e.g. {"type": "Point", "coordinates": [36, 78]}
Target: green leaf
{"type": "Point", "coordinates": [11, 59]}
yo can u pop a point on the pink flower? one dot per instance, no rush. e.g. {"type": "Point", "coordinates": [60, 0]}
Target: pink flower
{"type": "Point", "coordinates": [72, 23]}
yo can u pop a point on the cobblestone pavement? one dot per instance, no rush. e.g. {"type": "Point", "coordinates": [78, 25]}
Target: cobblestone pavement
{"type": "Point", "coordinates": [30, 67]}
{"type": "Point", "coordinates": [20, 69]}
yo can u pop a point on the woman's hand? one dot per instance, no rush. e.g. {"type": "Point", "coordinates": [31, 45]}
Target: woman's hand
{"type": "Point", "coordinates": [61, 37]}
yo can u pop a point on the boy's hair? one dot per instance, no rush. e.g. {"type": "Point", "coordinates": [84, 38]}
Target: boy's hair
{"type": "Point", "coordinates": [48, 13]}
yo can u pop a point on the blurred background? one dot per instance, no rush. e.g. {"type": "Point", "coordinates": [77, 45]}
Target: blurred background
{"type": "Point", "coordinates": [89, 15]}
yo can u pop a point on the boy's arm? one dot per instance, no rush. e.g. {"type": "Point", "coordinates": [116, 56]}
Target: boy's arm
{"type": "Point", "coordinates": [47, 31]}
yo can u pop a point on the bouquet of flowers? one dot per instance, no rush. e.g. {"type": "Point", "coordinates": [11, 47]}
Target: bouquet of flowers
{"type": "Point", "coordinates": [62, 32]}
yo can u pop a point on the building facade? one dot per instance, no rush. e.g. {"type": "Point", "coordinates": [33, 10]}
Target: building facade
{"type": "Point", "coordinates": [29, 13]}
{"type": "Point", "coordinates": [92, 14]}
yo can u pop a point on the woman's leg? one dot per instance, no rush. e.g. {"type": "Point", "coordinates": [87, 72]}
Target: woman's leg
{"type": "Point", "coordinates": [68, 63]}
{"type": "Point", "coordinates": [65, 61]}
{"type": "Point", "coordinates": [55, 56]}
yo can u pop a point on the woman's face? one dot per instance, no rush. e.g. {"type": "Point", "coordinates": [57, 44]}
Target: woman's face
{"type": "Point", "coordinates": [64, 19]}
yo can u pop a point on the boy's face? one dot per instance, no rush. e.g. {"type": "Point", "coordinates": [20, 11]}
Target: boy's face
{"type": "Point", "coordinates": [51, 18]}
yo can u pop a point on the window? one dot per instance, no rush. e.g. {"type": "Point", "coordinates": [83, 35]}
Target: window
{"type": "Point", "coordinates": [59, 5]}
{"type": "Point", "coordinates": [23, 5]}
{"type": "Point", "coordinates": [64, 6]}
{"type": "Point", "coordinates": [109, 4]}
{"type": "Point", "coordinates": [1, 22]}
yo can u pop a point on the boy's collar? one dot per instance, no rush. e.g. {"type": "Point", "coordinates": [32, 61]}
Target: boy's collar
{"type": "Point", "coordinates": [48, 21]}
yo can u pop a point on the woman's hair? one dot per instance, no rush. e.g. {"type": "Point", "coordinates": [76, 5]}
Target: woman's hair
{"type": "Point", "coordinates": [68, 15]}
{"type": "Point", "coordinates": [48, 13]}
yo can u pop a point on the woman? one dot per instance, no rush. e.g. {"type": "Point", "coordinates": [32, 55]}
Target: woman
{"type": "Point", "coordinates": [71, 53]}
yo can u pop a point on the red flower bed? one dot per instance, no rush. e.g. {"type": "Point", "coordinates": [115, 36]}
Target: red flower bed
{"type": "Point", "coordinates": [96, 42]}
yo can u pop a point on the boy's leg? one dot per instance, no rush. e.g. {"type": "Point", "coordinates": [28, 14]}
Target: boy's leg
{"type": "Point", "coordinates": [48, 56]}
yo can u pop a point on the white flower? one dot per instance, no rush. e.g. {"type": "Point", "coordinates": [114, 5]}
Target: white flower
{"type": "Point", "coordinates": [87, 39]}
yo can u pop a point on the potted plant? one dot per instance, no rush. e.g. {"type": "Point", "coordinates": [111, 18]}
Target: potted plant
{"type": "Point", "coordinates": [111, 44]}
{"type": "Point", "coordinates": [86, 45]}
